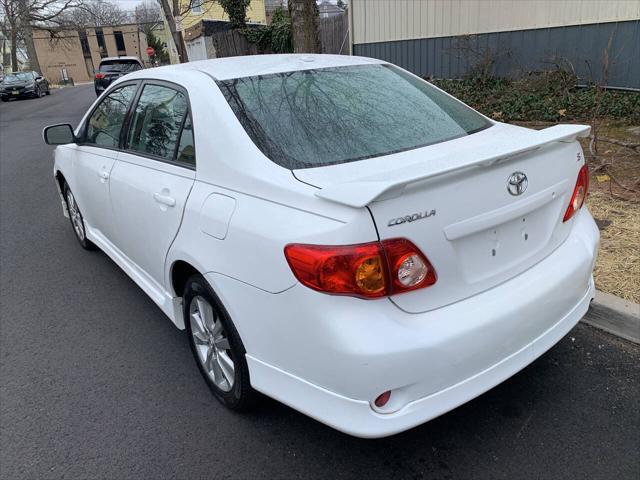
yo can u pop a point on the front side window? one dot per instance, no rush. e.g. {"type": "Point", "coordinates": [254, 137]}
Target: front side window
{"type": "Point", "coordinates": [105, 123]}
{"type": "Point", "coordinates": [328, 116]}
{"type": "Point", "coordinates": [157, 120]}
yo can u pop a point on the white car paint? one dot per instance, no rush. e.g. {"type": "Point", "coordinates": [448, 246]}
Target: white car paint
{"type": "Point", "coordinates": [513, 278]}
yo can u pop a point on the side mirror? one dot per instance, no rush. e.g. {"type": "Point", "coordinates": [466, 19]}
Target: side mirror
{"type": "Point", "coordinates": [61, 134]}
{"type": "Point", "coordinates": [39, 78]}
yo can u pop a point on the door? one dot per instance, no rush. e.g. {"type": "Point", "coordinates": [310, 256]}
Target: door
{"type": "Point", "coordinates": [95, 156]}
{"type": "Point", "coordinates": [152, 178]}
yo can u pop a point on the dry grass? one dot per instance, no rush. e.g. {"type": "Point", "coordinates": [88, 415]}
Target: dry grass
{"type": "Point", "coordinates": [615, 204]}
{"type": "Point", "coordinates": [614, 201]}
{"type": "Point", "coordinates": [618, 267]}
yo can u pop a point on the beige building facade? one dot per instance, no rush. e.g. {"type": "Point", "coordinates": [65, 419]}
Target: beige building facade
{"type": "Point", "coordinates": [71, 54]}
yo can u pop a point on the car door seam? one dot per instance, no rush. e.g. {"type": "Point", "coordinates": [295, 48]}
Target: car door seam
{"type": "Point", "coordinates": [166, 254]}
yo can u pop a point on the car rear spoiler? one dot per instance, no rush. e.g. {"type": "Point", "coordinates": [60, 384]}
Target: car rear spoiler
{"type": "Point", "coordinates": [361, 192]}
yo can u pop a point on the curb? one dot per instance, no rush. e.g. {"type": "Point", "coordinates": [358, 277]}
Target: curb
{"type": "Point", "coordinates": [614, 315]}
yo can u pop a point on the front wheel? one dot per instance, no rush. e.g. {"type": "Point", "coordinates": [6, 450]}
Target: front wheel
{"type": "Point", "coordinates": [216, 346]}
{"type": "Point", "coordinates": [77, 222]}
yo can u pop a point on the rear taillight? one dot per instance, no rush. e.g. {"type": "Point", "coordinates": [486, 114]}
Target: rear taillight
{"type": "Point", "coordinates": [368, 270]}
{"type": "Point", "coordinates": [579, 193]}
{"type": "Point", "coordinates": [99, 76]}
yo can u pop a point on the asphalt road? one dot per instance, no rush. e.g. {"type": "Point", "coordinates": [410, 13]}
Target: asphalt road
{"type": "Point", "coordinates": [96, 383]}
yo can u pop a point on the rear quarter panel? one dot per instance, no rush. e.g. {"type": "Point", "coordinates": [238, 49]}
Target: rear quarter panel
{"type": "Point", "coordinates": [257, 230]}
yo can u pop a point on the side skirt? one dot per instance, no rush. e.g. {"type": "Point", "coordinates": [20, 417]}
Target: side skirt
{"type": "Point", "coordinates": [171, 306]}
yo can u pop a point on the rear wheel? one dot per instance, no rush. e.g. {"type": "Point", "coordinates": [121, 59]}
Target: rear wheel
{"type": "Point", "coordinates": [77, 222]}
{"type": "Point", "coordinates": [216, 346]}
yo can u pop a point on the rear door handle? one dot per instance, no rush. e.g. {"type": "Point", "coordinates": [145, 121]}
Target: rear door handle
{"type": "Point", "coordinates": [104, 175]}
{"type": "Point", "coordinates": [165, 199]}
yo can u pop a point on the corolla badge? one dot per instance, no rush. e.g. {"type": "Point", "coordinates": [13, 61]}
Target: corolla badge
{"type": "Point", "coordinates": [517, 183]}
{"type": "Point", "coordinates": [411, 218]}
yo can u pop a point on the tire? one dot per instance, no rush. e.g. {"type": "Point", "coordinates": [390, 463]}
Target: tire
{"type": "Point", "coordinates": [76, 219]}
{"type": "Point", "coordinates": [5, 99]}
{"type": "Point", "coordinates": [209, 346]}
{"type": "Point", "coordinates": [48, 92]}
{"type": "Point", "coordinates": [37, 92]}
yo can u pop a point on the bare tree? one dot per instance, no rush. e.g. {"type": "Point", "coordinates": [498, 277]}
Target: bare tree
{"type": "Point", "coordinates": [94, 13]}
{"type": "Point", "coordinates": [20, 16]}
{"type": "Point", "coordinates": [304, 26]}
{"type": "Point", "coordinates": [11, 28]}
{"type": "Point", "coordinates": [148, 12]}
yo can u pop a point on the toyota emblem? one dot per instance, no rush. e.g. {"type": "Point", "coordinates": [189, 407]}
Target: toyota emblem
{"type": "Point", "coordinates": [517, 183]}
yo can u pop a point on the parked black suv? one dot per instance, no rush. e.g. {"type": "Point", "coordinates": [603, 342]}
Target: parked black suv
{"type": "Point", "coordinates": [112, 68]}
{"type": "Point", "coordinates": [23, 84]}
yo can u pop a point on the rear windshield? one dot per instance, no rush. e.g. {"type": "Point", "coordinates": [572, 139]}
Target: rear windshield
{"type": "Point", "coordinates": [336, 115]}
{"type": "Point", "coordinates": [120, 66]}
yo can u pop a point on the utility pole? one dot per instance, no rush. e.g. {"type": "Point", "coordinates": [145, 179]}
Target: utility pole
{"type": "Point", "coordinates": [170, 13]}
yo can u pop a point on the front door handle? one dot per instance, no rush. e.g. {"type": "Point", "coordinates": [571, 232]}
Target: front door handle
{"type": "Point", "coordinates": [165, 199]}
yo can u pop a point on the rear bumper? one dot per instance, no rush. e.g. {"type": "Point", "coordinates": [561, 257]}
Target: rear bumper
{"type": "Point", "coordinates": [356, 417]}
{"type": "Point", "coordinates": [335, 355]}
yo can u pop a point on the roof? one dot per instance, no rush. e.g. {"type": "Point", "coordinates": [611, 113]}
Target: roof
{"type": "Point", "coordinates": [252, 65]}
{"type": "Point", "coordinates": [123, 57]}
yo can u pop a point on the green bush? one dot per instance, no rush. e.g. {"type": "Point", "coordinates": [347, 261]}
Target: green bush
{"type": "Point", "coordinates": [273, 38]}
{"type": "Point", "coordinates": [548, 96]}
{"type": "Point", "coordinates": [236, 10]}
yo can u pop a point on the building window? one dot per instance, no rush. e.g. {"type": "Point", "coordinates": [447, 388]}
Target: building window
{"type": "Point", "coordinates": [101, 44]}
{"type": "Point", "coordinates": [119, 42]}
{"type": "Point", "coordinates": [196, 6]}
{"type": "Point", "coordinates": [84, 43]}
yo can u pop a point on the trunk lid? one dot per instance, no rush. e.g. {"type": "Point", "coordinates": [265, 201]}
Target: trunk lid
{"type": "Point", "coordinates": [453, 201]}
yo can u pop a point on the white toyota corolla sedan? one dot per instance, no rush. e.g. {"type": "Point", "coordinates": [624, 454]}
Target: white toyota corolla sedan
{"type": "Point", "coordinates": [333, 231]}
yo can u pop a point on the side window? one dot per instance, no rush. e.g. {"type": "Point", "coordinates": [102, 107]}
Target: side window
{"type": "Point", "coordinates": [156, 122]}
{"type": "Point", "coordinates": [186, 151]}
{"type": "Point", "coordinates": [105, 123]}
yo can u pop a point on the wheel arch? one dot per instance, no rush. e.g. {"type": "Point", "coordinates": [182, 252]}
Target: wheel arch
{"type": "Point", "coordinates": [179, 273]}
{"type": "Point", "coordinates": [60, 180]}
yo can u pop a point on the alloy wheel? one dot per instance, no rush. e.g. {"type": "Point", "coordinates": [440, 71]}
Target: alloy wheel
{"type": "Point", "coordinates": [211, 343]}
{"type": "Point", "coordinates": [76, 218]}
